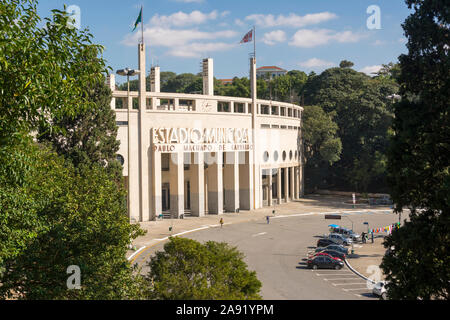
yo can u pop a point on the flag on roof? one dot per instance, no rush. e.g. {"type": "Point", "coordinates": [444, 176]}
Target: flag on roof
{"type": "Point", "coordinates": [248, 37]}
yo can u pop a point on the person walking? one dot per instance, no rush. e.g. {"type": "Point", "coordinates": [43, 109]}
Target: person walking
{"type": "Point", "coordinates": [363, 237]}
{"type": "Point", "coordinates": [268, 219]}
{"type": "Point", "coordinates": [221, 222]}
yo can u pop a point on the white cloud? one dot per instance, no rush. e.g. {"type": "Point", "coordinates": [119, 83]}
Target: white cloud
{"type": "Point", "coordinates": [306, 38]}
{"type": "Point", "coordinates": [371, 70]}
{"type": "Point", "coordinates": [187, 43]}
{"type": "Point", "coordinates": [379, 43]}
{"type": "Point", "coordinates": [181, 19]}
{"type": "Point", "coordinates": [271, 38]}
{"type": "Point", "coordinates": [197, 50]}
{"type": "Point", "coordinates": [239, 22]}
{"type": "Point", "coordinates": [167, 37]}
{"type": "Point", "coordinates": [292, 20]}
{"type": "Point", "coordinates": [316, 63]}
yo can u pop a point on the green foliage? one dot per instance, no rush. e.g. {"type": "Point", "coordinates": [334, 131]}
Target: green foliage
{"type": "Point", "coordinates": [418, 162]}
{"type": "Point", "coordinates": [189, 270]}
{"type": "Point", "coordinates": [41, 67]}
{"type": "Point", "coordinates": [53, 214]}
{"type": "Point", "coordinates": [78, 218]}
{"type": "Point", "coordinates": [346, 64]}
{"type": "Point", "coordinates": [322, 146]}
{"type": "Point", "coordinates": [91, 135]}
{"type": "Point", "coordinates": [27, 185]}
{"type": "Point", "coordinates": [363, 115]}
{"type": "Point", "coordinates": [418, 265]}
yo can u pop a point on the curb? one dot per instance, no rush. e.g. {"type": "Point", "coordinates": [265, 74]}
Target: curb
{"type": "Point", "coordinates": [357, 273]}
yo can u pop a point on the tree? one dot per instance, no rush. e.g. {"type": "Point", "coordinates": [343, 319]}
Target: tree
{"type": "Point", "coordinates": [418, 162]}
{"type": "Point", "coordinates": [189, 270]}
{"type": "Point", "coordinates": [363, 115]}
{"type": "Point", "coordinates": [54, 215]}
{"type": "Point", "coordinates": [322, 146]}
{"type": "Point", "coordinates": [86, 226]}
{"type": "Point", "coordinates": [90, 136]}
{"type": "Point", "coordinates": [41, 68]}
{"type": "Point", "coordinates": [346, 64]}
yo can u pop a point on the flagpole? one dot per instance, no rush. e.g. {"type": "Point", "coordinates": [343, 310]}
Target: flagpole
{"type": "Point", "coordinates": [254, 42]}
{"type": "Point", "coordinates": [142, 23]}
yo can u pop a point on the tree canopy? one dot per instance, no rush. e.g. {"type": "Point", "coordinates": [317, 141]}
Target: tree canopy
{"type": "Point", "coordinates": [54, 214]}
{"type": "Point", "coordinates": [362, 112]}
{"type": "Point", "coordinates": [418, 161]}
{"type": "Point", "coordinates": [189, 270]}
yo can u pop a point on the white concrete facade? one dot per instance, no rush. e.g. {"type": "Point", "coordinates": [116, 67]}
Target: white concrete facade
{"type": "Point", "coordinates": [206, 154]}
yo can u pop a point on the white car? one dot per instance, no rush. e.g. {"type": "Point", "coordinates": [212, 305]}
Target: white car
{"type": "Point", "coordinates": [379, 290]}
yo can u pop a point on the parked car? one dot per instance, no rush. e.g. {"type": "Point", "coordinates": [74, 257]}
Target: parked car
{"type": "Point", "coordinates": [340, 239]}
{"type": "Point", "coordinates": [347, 233]}
{"type": "Point", "coordinates": [380, 290]}
{"type": "Point", "coordinates": [324, 262]}
{"type": "Point", "coordinates": [337, 247]}
{"type": "Point", "coordinates": [325, 242]}
{"type": "Point", "coordinates": [334, 253]}
{"type": "Point", "coordinates": [324, 254]}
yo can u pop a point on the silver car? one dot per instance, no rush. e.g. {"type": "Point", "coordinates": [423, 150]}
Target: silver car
{"type": "Point", "coordinates": [340, 239]}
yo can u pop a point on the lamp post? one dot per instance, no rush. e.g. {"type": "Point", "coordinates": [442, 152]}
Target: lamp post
{"type": "Point", "coordinates": [128, 73]}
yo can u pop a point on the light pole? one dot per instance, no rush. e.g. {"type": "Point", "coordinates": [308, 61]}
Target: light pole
{"type": "Point", "coordinates": [128, 73]}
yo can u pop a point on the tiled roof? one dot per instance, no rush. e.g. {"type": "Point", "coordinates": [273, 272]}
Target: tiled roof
{"type": "Point", "coordinates": [270, 67]}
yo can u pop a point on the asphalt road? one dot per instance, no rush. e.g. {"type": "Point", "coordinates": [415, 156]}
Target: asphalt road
{"type": "Point", "coordinates": [277, 252]}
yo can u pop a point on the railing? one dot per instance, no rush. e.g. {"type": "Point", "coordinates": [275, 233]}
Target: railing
{"type": "Point", "coordinates": [163, 101]}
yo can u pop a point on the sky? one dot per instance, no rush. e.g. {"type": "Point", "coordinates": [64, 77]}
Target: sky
{"type": "Point", "coordinates": [307, 35]}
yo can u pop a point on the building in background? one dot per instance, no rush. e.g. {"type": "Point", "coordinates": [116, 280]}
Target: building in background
{"type": "Point", "coordinates": [270, 72]}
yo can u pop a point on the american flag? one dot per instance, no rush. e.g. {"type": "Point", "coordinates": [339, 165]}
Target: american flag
{"type": "Point", "coordinates": [248, 37]}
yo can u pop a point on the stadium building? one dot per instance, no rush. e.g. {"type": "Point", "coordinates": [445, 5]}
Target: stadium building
{"type": "Point", "coordinates": [205, 154]}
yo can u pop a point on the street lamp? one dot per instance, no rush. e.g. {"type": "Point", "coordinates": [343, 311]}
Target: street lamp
{"type": "Point", "coordinates": [128, 73]}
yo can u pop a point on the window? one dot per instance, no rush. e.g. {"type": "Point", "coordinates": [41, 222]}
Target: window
{"type": "Point", "coordinates": [265, 109]}
{"type": "Point", "coordinates": [274, 110]}
{"type": "Point", "coordinates": [290, 155]}
{"type": "Point", "coordinates": [284, 155]}
{"type": "Point", "coordinates": [239, 107]}
{"type": "Point", "coordinates": [223, 106]}
{"type": "Point", "coordinates": [266, 156]}
{"type": "Point", "coordinates": [275, 156]}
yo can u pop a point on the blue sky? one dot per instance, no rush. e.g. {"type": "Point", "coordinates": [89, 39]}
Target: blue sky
{"type": "Point", "coordinates": [293, 34]}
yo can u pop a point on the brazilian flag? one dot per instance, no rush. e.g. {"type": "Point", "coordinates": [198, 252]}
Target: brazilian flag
{"type": "Point", "coordinates": [139, 20]}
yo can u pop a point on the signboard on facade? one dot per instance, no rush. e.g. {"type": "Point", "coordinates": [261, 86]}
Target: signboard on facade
{"type": "Point", "coordinates": [201, 139]}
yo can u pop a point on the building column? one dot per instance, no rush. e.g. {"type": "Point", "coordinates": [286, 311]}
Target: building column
{"type": "Point", "coordinates": [231, 181]}
{"type": "Point", "coordinates": [176, 172]}
{"type": "Point", "coordinates": [270, 198]}
{"type": "Point", "coordinates": [197, 184]}
{"type": "Point", "coordinates": [245, 181]}
{"type": "Point", "coordinates": [215, 183]}
{"type": "Point", "coordinates": [156, 184]}
{"type": "Point", "coordinates": [292, 183]}
{"type": "Point", "coordinates": [286, 184]}
{"type": "Point", "coordinates": [279, 185]}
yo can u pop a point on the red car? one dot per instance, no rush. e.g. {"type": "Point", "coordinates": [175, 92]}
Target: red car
{"type": "Point", "coordinates": [325, 254]}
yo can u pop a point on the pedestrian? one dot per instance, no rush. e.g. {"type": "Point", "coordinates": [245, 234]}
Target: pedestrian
{"type": "Point", "coordinates": [221, 222]}
{"type": "Point", "coordinates": [363, 237]}
{"type": "Point", "coordinates": [268, 219]}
